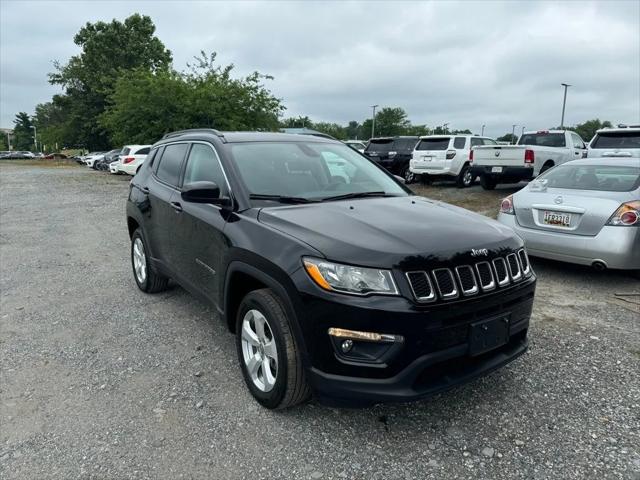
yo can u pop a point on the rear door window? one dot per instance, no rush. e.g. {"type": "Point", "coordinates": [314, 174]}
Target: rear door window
{"type": "Point", "coordinates": [616, 140]}
{"type": "Point", "coordinates": [460, 142]}
{"type": "Point", "coordinates": [439, 143]}
{"type": "Point", "coordinates": [171, 163]}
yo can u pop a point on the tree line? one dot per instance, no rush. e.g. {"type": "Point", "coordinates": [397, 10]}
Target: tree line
{"type": "Point", "coordinates": [122, 88]}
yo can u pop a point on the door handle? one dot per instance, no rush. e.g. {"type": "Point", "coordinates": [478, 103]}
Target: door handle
{"type": "Point", "coordinates": [176, 206]}
{"type": "Point", "coordinates": [144, 189]}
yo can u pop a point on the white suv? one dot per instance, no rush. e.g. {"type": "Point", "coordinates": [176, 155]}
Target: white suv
{"type": "Point", "coordinates": [131, 159]}
{"type": "Point", "coordinates": [446, 156]}
{"type": "Point", "coordinates": [616, 142]}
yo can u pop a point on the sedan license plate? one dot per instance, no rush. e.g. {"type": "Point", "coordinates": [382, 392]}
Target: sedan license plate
{"type": "Point", "coordinates": [488, 335]}
{"type": "Point", "coordinates": [496, 169]}
{"type": "Point", "coordinates": [557, 219]}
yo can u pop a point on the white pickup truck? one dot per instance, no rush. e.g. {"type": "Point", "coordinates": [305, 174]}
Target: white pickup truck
{"type": "Point", "coordinates": [534, 153]}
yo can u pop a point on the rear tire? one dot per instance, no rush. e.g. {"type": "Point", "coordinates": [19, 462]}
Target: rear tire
{"type": "Point", "coordinates": [408, 175]}
{"type": "Point", "coordinates": [465, 178]}
{"type": "Point", "coordinates": [147, 279]}
{"type": "Point", "coordinates": [487, 182]}
{"type": "Point", "coordinates": [269, 356]}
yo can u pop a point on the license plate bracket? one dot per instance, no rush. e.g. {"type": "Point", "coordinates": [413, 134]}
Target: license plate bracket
{"type": "Point", "coordinates": [496, 169]}
{"type": "Point", "coordinates": [488, 335]}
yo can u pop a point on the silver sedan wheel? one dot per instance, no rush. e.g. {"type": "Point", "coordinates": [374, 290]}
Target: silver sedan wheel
{"type": "Point", "coordinates": [259, 350]}
{"type": "Point", "coordinates": [467, 178]}
{"type": "Point", "coordinates": [139, 261]}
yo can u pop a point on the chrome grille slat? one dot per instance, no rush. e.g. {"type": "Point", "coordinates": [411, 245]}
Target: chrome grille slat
{"type": "Point", "coordinates": [467, 280]}
{"type": "Point", "coordinates": [445, 283]}
{"type": "Point", "coordinates": [421, 286]}
{"type": "Point", "coordinates": [514, 267]}
{"type": "Point", "coordinates": [484, 272]}
{"type": "Point", "coordinates": [524, 262]}
{"type": "Point", "coordinates": [500, 267]}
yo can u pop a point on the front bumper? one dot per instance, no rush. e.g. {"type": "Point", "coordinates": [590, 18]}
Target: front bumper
{"type": "Point", "coordinates": [434, 354]}
{"type": "Point", "coordinates": [616, 247]}
{"type": "Point", "coordinates": [507, 175]}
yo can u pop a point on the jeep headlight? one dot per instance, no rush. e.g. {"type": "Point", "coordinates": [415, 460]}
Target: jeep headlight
{"type": "Point", "coordinates": [336, 277]}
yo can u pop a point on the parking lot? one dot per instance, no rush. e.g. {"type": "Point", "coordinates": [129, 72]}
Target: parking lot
{"type": "Point", "coordinates": [102, 381]}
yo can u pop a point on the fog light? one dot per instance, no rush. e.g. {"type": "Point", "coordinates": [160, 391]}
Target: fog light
{"type": "Point", "coordinates": [346, 346]}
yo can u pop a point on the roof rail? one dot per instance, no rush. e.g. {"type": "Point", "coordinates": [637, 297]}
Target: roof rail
{"type": "Point", "coordinates": [213, 131]}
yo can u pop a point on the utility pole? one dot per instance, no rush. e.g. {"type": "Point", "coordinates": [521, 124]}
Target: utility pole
{"type": "Point", "coordinates": [513, 133]}
{"type": "Point", "coordinates": [9, 140]}
{"type": "Point", "coordinates": [522, 131]}
{"type": "Point", "coordinates": [564, 102]}
{"type": "Point", "coordinates": [35, 136]}
{"type": "Point", "coordinates": [373, 121]}
{"type": "Point", "coordinates": [482, 134]}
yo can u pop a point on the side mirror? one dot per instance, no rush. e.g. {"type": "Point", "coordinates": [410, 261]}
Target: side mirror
{"type": "Point", "coordinates": [202, 192]}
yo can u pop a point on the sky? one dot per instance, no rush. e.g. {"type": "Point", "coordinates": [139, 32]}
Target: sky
{"type": "Point", "coordinates": [467, 64]}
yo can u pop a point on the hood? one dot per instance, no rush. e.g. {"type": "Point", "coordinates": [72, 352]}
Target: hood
{"type": "Point", "coordinates": [402, 232]}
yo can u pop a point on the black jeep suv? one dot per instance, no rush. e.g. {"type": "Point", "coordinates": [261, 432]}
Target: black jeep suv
{"type": "Point", "coordinates": [334, 277]}
{"type": "Point", "coordinates": [394, 154]}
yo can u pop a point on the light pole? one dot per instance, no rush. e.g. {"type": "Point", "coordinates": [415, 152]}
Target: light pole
{"type": "Point", "coordinates": [35, 136]}
{"type": "Point", "coordinates": [9, 140]}
{"type": "Point", "coordinates": [373, 121]}
{"type": "Point", "coordinates": [513, 133]}
{"type": "Point", "coordinates": [522, 131]}
{"type": "Point", "coordinates": [444, 127]}
{"type": "Point", "coordinates": [564, 102]}
{"type": "Point", "coordinates": [482, 133]}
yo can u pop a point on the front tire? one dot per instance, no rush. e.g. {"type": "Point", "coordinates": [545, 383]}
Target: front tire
{"type": "Point", "coordinates": [269, 357]}
{"type": "Point", "coordinates": [465, 177]}
{"type": "Point", "coordinates": [487, 182]}
{"type": "Point", "coordinates": [147, 279]}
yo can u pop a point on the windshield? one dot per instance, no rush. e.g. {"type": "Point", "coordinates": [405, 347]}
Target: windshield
{"type": "Point", "coordinates": [605, 178]}
{"type": "Point", "coordinates": [543, 139]}
{"type": "Point", "coordinates": [616, 140]}
{"type": "Point", "coordinates": [308, 170]}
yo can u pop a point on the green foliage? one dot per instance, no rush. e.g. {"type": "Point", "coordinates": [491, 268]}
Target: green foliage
{"type": "Point", "coordinates": [334, 129]}
{"type": "Point", "coordinates": [297, 122]}
{"type": "Point", "coordinates": [391, 122]}
{"type": "Point", "coordinates": [145, 105]}
{"type": "Point", "coordinates": [3, 142]}
{"type": "Point", "coordinates": [508, 137]}
{"type": "Point", "coordinates": [22, 132]}
{"type": "Point", "coordinates": [108, 51]}
{"type": "Point", "coordinates": [588, 129]}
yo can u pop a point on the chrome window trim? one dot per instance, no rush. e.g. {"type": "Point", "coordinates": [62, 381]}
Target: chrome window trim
{"type": "Point", "coordinates": [492, 285]}
{"type": "Point", "coordinates": [430, 298]}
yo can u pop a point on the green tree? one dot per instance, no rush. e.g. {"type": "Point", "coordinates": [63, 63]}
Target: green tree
{"type": "Point", "coordinates": [145, 105]}
{"type": "Point", "coordinates": [108, 50]}
{"type": "Point", "coordinates": [3, 142]}
{"type": "Point", "coordinates": [391, 122]}
{"type": "Point", "coordinates": [22, 132]}
{"type": "Point", "coordinates": [588, 129]}
{"type": "Point", "coordinates": [334, 129]}
{"type": "Point", "coordinates": [507, 137]}
{"type": "Point", "coordinates": [297, 122]}
{"type": "Point", "coordinates": [354, 131]}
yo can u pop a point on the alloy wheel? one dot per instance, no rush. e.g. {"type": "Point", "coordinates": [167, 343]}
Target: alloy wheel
{"type": "Point", "coordinates": [259, 350]}
{"type": "Point", "coordinates": [139, 261]}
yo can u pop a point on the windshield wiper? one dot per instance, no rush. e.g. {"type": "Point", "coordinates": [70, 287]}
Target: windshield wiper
{"type": "Point", "coordinates": [347, 196]}
{"type": "Point", "coordinates": [280, 198]}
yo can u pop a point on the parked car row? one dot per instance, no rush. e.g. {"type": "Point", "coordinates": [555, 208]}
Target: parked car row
{"type": "Point", "coordinates": [127, 159]}
{"type": "Point", "coordinates": [464, 158]}
{"type": "Point", "coordinates": [19, 155]}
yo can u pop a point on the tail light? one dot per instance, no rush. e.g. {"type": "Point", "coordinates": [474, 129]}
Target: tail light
{"type": "Point", "coordinates": [128, 159]}
{"type": "Point", "coordinates": [529, 157]}
{"type": "Point", "coordinates": [451, 154]}
{"type": "Point", "coordinates": [471, 156]}
{"type": "Point", "coordinates": [507, 206]}
{"type": "Point", "coordinates": [627, 215]}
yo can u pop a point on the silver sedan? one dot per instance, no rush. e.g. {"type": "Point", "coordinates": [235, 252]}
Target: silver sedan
{"type": "Point", "coordinates": [585, 211]}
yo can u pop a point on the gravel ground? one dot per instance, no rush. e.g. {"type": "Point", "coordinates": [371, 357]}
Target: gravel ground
{"type": "Point", "coordinates": [99, 380]}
